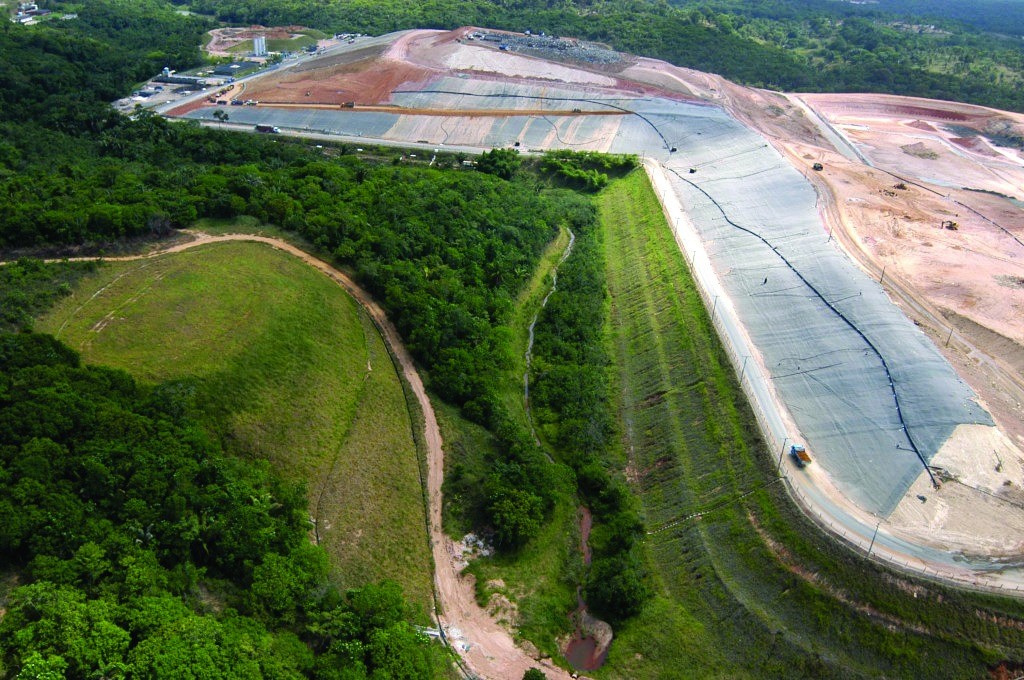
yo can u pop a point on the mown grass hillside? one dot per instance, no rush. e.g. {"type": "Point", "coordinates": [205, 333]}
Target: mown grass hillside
{"type": "Point", "coordinates": [281, 361]}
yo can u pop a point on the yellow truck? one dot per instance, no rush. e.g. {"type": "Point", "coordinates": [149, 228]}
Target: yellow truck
{"type": "Point", "coordinates": [800, 455]}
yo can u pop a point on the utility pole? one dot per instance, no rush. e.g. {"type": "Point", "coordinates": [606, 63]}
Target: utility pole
{"type": "Point", "coordinates": [785, 441]}
{"type": "Point", "coordinates": [873, 537]}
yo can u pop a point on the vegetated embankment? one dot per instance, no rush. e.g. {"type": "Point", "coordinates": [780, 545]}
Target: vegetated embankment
{"type": "Point", "coordinates": [483, 644]}
{"type": "Point", "coordinates": [304, 381]}
{"type": "Point", "coordinates": [744, 582]}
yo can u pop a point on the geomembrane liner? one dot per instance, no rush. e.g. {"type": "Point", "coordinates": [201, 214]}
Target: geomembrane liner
{"type": "Point", "coordinates": [871, 394]}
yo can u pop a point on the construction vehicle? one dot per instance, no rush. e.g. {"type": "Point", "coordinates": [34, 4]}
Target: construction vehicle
{"type": "Point", "coordinates": [273, 129]}
{"type": "Point", "coordinates": [800, 455]}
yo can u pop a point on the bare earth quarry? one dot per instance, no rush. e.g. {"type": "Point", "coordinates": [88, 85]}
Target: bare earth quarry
{"type": "Point", "coordinates": [922, 196]}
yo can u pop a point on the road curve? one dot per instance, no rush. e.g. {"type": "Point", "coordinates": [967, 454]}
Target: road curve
{"type": "Point", "coordinates": [486, 648]}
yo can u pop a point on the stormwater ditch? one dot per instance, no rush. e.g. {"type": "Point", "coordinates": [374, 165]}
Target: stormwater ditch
{"type": "Point", "coordinates": [530, 329]}
{"type": "Point", "coordinates": [587, 649]}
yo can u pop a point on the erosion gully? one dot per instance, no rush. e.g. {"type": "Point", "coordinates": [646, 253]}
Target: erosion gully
{"type": "Point", "coordinates": [582, 651]}
{"type": "Point", "coordinates": [533, 323]}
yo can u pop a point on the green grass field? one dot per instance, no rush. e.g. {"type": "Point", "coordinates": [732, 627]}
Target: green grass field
{"type": "Point", "coordinates": [751, 589]}
{"type": "Point", "coordinates": [287, 367]}
{"type": "Point", "coordinates": [304, 39]}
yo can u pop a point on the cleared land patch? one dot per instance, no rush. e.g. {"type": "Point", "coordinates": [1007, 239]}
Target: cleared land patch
{"type": "Point", "coordinates": [289, 367]}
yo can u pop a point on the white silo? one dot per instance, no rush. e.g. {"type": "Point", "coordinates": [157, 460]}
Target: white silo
{"type": "Point", "coordinates": [259, 46]}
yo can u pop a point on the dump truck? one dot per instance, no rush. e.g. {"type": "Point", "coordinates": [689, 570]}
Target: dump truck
{"type": "Point", "coordinates": [268, 128]}
{"type": "Point", "coordinates": [800, 455]}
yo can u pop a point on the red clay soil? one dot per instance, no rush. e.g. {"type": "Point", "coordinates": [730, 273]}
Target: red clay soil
{"type": "Point", "coordinates": [903, 107]}
{"type": "Point", "coordinates": [1007, 670]}
{"type": "Point", "coordinates": [188, 107]}
{"type": "Point", "coordinates": [920, 111]}
{"type": "Point", "coordinates": [370, 77]}
{"type": "Point", "coordinates": [903, 110]}
{"type": "Point", "coordinates": [921, 125]}
{"type": "Point", "coordinates": [973, 144]}
{"type": "Point", "coordinates": [223, 39]}
{"type": "Point", "coordinates": [369, 81]}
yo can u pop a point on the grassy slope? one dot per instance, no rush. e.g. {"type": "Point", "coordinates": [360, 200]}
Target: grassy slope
{"type": "Point", "coordinates": [526, 305]}
{"type": "Point", "coordinates": [279, 357]}
{"type": "Point", "coordinates": [750, 589]}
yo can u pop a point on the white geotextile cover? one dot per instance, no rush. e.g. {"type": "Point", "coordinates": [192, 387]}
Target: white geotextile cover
{"type": "Point", "coordinates": [871, 394]}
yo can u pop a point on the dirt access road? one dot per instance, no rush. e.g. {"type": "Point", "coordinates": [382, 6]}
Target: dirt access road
{"type": "Point", "coordinates": [486, 649]}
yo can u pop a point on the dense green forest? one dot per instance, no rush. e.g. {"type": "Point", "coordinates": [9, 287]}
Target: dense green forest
{"type": "Point", "coordinates": [443, 250]}
{"type": "Point", "coordinates": [142, 550]}
{"type": "Point", "coordinates": [1004, 17]}
{"type": "Point", "coordinates": [802, 45]}
{"type": "Point", "coordinates": [28, 288]}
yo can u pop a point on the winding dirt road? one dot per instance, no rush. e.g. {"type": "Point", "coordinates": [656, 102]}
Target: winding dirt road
{"type": "Point", "coordinates": [486, 648]}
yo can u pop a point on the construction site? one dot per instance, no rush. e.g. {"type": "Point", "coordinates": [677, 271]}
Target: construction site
{"type": "Point", "coordinates": [861, 256]}
{"type": "Point", "coordinates": [893, 404]}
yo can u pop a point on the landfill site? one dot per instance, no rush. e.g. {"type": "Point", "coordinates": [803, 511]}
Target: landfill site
{"type": "Point", "coordinates": [862, 256]}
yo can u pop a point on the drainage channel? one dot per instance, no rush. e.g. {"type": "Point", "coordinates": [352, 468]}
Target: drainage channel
{"type": "Point", "coordinates": [533, 323]}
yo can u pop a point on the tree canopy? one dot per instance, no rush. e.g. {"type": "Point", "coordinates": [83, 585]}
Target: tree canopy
{"type": "Point", "coordinates": [145, 551]}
